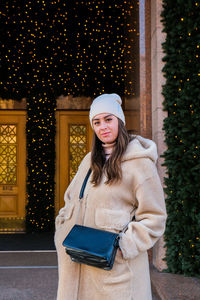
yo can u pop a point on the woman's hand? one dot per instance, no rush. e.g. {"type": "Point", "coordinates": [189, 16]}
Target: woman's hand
{"type": "Point", "coordinates": [120, 252]}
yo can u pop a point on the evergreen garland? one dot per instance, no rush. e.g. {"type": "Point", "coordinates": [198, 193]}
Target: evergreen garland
{"type": "Point", "coordinates": [40, 129]}
{"type": "Point", "coordinates": [182, 135]}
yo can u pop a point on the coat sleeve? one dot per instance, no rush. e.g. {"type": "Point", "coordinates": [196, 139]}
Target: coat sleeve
{"type": "Point", "coordinates": [150, 217]}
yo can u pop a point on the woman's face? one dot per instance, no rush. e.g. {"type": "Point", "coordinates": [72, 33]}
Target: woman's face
{"type": "Point", "coordinates": [106, 127]}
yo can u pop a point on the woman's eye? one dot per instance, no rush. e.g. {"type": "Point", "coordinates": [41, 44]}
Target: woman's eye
{"type": "Point", "coordinates": [96, 123]}
{"type": "Point", "coordinates": [109, 119]}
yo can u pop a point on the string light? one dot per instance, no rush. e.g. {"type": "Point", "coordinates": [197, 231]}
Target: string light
{"type": "Point", "coordinates": [66, 41]}
{"type": "Point", "coordinates": [49, 48]}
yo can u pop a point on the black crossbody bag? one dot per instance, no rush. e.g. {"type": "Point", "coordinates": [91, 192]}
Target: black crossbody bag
{"type": "Point", "coordinates": [91, 246]}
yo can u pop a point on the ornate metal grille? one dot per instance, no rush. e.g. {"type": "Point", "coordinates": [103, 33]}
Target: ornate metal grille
{"type": "Point", "coordinates": [77, 147]}
{"type": "Point", "coordinates": [8, 154]}
{"type": "Point", "coordinates": [12, 224]}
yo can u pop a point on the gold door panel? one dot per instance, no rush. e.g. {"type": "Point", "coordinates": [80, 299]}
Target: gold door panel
{"type": "Point", "coordinates": [8, 204]}
{"type": "Point", "coordinates": [12, 170]}
{"type": "Point", "coordinates": [74, 136]}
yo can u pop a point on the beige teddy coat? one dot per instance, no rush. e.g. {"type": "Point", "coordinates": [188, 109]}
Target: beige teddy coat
{"type": "Point", "coordinates": [111, 207]}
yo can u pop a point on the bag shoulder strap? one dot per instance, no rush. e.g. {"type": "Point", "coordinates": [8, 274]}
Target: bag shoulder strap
{"type": "Point", "coordinates": [84, 184]}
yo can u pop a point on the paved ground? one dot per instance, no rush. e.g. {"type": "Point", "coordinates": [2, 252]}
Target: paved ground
{"type": "Point", "coordinates": [32, 275]}
{"type": "Point", "coordinates": [28, 284]}
{"type": "Point", "coordinates": [29, 276]}
{"type": "Point", "coordinates": [174, 287]}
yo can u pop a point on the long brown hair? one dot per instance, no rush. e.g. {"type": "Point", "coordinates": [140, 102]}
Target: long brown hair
{"type": "Point", "coordinates": [112, 166]}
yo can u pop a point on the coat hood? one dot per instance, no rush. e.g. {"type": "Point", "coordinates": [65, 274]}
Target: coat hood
{"type": "Point", "coordinates": [141, 147]}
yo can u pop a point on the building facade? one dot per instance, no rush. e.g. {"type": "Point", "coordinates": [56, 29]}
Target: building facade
{"type": "Point", "coordinates": [144, 116]}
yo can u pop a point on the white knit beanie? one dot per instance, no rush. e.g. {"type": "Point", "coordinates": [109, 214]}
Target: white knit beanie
{"type": "Point", "coordinates": [107, 103]}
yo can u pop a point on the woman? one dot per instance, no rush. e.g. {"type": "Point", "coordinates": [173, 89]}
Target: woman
{"type": "Point", "coordinates": [124, 187]}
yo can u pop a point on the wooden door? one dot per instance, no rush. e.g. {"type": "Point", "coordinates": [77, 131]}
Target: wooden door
{"type": "Point", "coordinates": [12, 170]}
{"type": "Point", "coordinates": [74, 136]}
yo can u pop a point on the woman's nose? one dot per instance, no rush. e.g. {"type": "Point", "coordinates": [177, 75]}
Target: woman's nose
{"type": "Point", "coordinates": [103, 125]}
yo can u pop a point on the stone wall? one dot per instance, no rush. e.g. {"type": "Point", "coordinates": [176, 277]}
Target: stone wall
{"type": "Point", "coordinates": [158, 115]}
